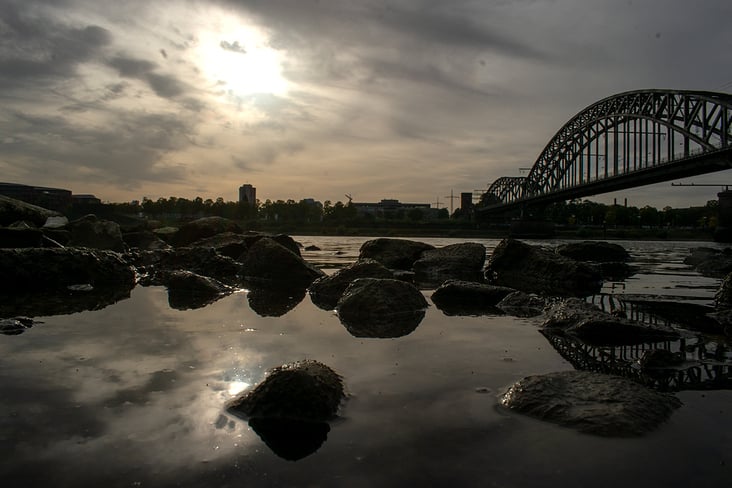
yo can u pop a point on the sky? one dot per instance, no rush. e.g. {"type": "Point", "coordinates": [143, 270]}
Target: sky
{"type": "Point", "coordinates": [407, 99]}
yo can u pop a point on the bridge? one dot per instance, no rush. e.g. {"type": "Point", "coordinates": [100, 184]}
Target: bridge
{"type": "Point", "coordinates": [627, 140]}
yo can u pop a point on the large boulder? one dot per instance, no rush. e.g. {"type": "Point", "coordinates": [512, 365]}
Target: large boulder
{"type": "Point", "coordinates": [394, 253]}
{"type": "Point", "coordinates": [714, 263]}
{"type": "Point", "coordinates": [269, 263]}
{"type": "Point", "coordinates": [201, 228]}
{"type": "Point", "coordinates": [462, 261]}
{"type": "Point", "coordinates": [381, 308]}
{"type": "Point", "coordinates": [145, 240]}
{"type": "Point", "coordinates": [20, 237]}
{"type": "Point", "coordinates": [584, 321]}
{"type": "Point", "coordinates": [38, 269]}
{"type": "Point", "coordinates": [594, 251]}
{"type": "Point", "coordinates": [187, 290]}
{"type": "Point", "coordinates": [91, 232]}
{"type": "Point", "coordinates": [153, 265]}
{"type": "Point", "coordinates": [521, 304]}
{"type": "Point", "coordinates": [270, 301]}
{"type": "Point", "coordinates": [327, 290]}
{"type": "Point", "coordinates": [52, 281]}
{"type": "Point", "coordinates": [534, 269]}
{"type": "Point", "coordinates": [305, 390]}
{"type": "Point", "coordinates": [12, 210]}
{"type": "Point", "coordinates": [456, 297]}
{"type": "Point", "coordinates": [592, 403]}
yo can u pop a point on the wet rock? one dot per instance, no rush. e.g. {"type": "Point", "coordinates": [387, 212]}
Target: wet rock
{"type": "Point", "coordinates": [710, 262]}
{"type": "Point", "coordinates": [455, 297]}
{"type": "Point", "coordinates": [269, 263]}
{"type": "Point", "coordinates": [36, 269]}
{"type": "Point", "coordinates": [520, 304]}
{"type": "Point", "coordinates": [581, 320]}
{"type": "Point", "coordinates": [274, 302]}
{"type": "Point", "coordinates": [166, 233]}
{"type": "Point", "coordinates": [312, 248]}
{"type": "Point", "coordinates": [229, 244]}
{"type": "Point", "coordinates": [59, 222]}
{"type": "Point", "coordinates": [204, 261]}
{"type": "Point", "coordinates": [144, 240]}
{"type": "Point", "coordinates": [594, 251]}
{"type": "Point", "coordinates": [692, 316]}
{"type": "Point", "coordinates": [592, 403]}
{"type": "Point", "coordinates": [91, 232]}
{"type": "Point", "coordinates": [201, 228]}
{"type": "Point", "coordinates": [616, 271]}
{"type": "Point", "coordinates": [12, 210]}
{"type": "Point", "coordinates": [63, 301]}
{"type": "Point", "coordinates": [723, 296]}
{"type": "Point", "coordinates": [325, 291]}
{"type": "Point", "coordinates": [534, 269]}
{"type": "Point", "coordinates": [394, 253]}
{"type": "Point", "coordinates": [187, 290]}
{"type": "Point", "coordinates": [16, 325]}
{"type": "Point", "coordinates": [659, 359]}
{"type": "Point", "coordinates": [462, 261]}
{"type": "Point", "coordinates": [20, 237]}
{"type": "Point", "coordinates": [305, 390]}
{"type": "Point", "coordinates": [381, 308]}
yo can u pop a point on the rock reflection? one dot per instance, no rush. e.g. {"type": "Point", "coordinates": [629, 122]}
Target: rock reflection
{"type": "Point", "coordinates": [699, 363]}
{"type": "Point", "coordinates": [274, 302]}
{"type": "Point", "coordinates": [290, 439]}
{"type": "Point", "coordinates": [62, 301]}
{"type": "Point", "coordinates": [387, 327]}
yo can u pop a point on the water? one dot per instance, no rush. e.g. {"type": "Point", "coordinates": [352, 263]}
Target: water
{"type": "Point", "coordinates": [133, 395]}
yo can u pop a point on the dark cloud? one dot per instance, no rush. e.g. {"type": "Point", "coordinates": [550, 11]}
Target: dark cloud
{"type": "Point", "coordinates": [233, 47]}
{"type": "Point", "coordinates": [165, 86]}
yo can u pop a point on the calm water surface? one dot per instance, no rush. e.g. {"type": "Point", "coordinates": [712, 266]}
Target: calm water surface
{"type": "Point", "coordinates": [132, 395]}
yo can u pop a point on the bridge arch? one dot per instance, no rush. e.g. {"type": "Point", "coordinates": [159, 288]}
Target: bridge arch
{"type": "Point", "coordinates": [646, 135]}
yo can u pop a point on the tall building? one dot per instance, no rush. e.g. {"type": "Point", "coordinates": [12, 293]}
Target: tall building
{"type": "Point", "coordinates": [248, 194]}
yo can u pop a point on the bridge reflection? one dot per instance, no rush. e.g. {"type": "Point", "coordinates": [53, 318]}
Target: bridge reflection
{"type": "Point", "coordinates": [702, 361]}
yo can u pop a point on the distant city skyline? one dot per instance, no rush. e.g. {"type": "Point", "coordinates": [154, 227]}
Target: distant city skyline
{"type": "Point", "coordinates": [376, 99]}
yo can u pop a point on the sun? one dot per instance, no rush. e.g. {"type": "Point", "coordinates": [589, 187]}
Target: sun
{"type": "Point", "coordinates": [238, 57]}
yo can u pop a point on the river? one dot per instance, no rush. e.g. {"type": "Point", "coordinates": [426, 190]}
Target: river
{"type": "Point", "coordinates": [133, 395]}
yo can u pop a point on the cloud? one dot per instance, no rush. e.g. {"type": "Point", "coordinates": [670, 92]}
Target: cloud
{"type": "Point", "coordinates": [233, 47]}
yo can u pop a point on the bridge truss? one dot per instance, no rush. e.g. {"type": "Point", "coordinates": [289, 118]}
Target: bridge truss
{"type": "Point", "coordinates": [631, 139]}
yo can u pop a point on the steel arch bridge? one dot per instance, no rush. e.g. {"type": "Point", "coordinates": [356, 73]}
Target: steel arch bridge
{"type": "Point", "coordinates": [631, 139]}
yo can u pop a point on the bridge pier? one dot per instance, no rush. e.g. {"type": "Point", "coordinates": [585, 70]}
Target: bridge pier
{"type": "Point", "coordinates": [724, 217]}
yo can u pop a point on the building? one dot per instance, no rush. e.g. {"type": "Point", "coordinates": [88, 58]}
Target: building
{"type": "Point", "coordinates": [466, 201]}
{"type": "Point", "coordinates": [85, 200]}
{"type": "Point", "coordinates": [247, 194]}
{"type": "Point", "coordinates": [394, 209]}
{"type": "Point", "coordinates": [51, 198]}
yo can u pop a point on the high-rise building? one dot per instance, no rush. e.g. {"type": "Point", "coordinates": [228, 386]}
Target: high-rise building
{"type": "Point", "coordinates": [248, 194]}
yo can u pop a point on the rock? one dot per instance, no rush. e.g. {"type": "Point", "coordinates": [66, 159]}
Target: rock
{"type": "Point", "coordinates": [594, 251]}
{"type": "Point", "coordinates": [312, 248]}
{"type": "Point", "coordinates": [381, 308]}
{"type": "Point", "coordinates": [659, 359]}
{"type": "Point", "coordinates": [63, 301]}
{"type": "Point", "coordinates": [522, 304]}
{"type": "Point", "coordinates": [616, 271]}
{"type": "Point", "coordinates": [456, 297]}
{"type": "Point", "coordinates": [692, 316]}
{"type": "Point", "coordinates": [723, 296]}
{"type": "Point", "coordinates": [533, 269]}
{"type": "Point", "coordinates": [201, 228]}
{"type": "Point", "coordinates": [187, 290]}
{"type": "Point", "coordinates": [270, 263]}
{"type": "Point", "coordinates": [199, 260]}
{"type": "Point", "coordinates": [37, 269]}
{"type": "Point", "coordinates": [305, 390]}
{"type": "Point", "coordinates": [393, 253]}
{"type": "Point", "coordinates": [462, 261]}
{"type": "Point", "coordinates": [12, 210]}
{"type": "Point", "coordinates": [229, 244]}
{"type": "Point", "coordinates": [592, 403]}
{"type": "Point", "coordinates": [325, 291]}
{"type": "Point", "coordinates": [20, 237]}
{"type": "Point", "coordinates": [166, 233]}
{"type": "Point", "coordinates": [144, 240]}
{"type": "Point", "coordinates": [16, 325]}
{"type": "Point", "coordinates": [581, 320]}
{"type": "Point", "coordinates": [274, 302]}
{"type": "Point", "coordinates": [58, 222]}
{"type": "Point", "coordinates": [89, 231]}
{"type": "Point", "coordinates": [710, 262]}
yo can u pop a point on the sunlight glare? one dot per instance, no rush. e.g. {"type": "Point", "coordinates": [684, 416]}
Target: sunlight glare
{"type": "Point", "coordinates": [238, 58]}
